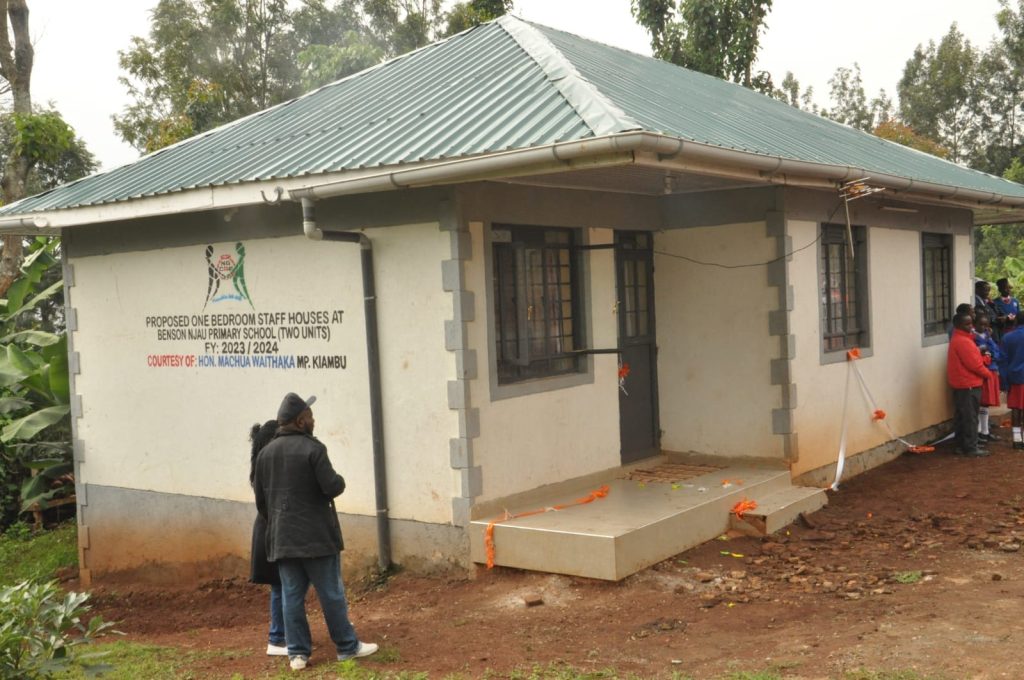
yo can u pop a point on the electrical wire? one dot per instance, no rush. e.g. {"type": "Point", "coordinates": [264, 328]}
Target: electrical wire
{"type": "Point", "coordinates": [752, 264]}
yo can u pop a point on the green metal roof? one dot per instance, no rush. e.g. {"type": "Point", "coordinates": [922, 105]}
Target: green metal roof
{"type": "Point", "coordinates": [502, 86]}
{"type": "Point", "coordinates": [694, 106]}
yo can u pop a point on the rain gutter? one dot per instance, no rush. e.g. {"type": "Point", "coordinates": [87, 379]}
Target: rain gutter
{"type": "Point", "coordinates": [564, 156]}
{"type": "Point", "coordinates": [32, 222]}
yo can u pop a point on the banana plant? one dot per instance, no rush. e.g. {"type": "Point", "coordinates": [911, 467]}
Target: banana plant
{"type": "Point", "coordinates": [39, 432]}
{"type": "Point", "coordinates": [34, 386]}
{"type": "Point", "coordinates": [1014, 268]}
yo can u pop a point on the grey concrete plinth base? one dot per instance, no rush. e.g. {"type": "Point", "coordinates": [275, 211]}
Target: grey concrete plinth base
{"type": "Point", "coordinates": [864, 461]}
{"type": "Point", "coordinates": [170, 539]}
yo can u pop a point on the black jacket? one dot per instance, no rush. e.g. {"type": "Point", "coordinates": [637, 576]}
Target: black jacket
{"type": "Point", "coordinates": [261, 570]}
{"type": "Point", "coordinates": [295, 489]}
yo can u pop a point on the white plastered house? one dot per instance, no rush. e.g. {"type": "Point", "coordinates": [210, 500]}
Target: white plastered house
{"type": "Point", "coordinates": [543, 214]}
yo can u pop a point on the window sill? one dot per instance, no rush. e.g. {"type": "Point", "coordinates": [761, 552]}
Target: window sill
{"type": "Point", "coordinates": [838, 356]}
{"type": "Point", "coordinates": [539, 385]}
{"type": "Point", "coordinates": [935, 339]}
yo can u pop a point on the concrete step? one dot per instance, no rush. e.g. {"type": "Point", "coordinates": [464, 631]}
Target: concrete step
{"type": "Point", "coordinates": [635, 526]}
{"type": "Point", "coordinates": [779, 509]}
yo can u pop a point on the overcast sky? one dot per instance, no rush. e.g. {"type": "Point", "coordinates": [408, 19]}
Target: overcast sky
{"type": "Point", "coordinates": [77, 44]}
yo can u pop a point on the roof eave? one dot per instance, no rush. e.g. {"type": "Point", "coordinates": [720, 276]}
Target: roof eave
{"type": "Point", "coordinates": [608, 150]}
{"type": "Point", "coordinates": [568, 155]}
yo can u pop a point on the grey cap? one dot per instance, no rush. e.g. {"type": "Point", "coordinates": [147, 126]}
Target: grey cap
{"type": "Point", "coordinates": [291, 406]}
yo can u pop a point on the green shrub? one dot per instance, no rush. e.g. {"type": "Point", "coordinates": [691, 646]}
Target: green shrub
{"type": "Point", "coordinates": [39, 627]}
{"type": "Point", "coordinates": [19, 531]}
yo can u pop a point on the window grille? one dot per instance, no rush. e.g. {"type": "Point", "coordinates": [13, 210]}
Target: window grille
{"type": "Point", "coordinates": [843, 288]}
{"type": "Point", "coordinates": [535, 302]}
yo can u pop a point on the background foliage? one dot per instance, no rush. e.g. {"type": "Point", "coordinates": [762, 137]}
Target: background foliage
{"type": "Point", "coordinates": [208, 62]}
{"type": "Point", "coordinates": [717, 37]}
{"type": "Point", "coordinates": [35, 435]}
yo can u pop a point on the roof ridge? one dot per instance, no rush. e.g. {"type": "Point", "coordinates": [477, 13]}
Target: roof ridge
{"type": "Point", "coordinates": [596, 109]}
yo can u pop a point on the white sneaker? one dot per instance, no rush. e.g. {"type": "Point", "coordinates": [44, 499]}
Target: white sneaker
{"type": "Point", "coordinates": [277, 650]}
{"type": "Point", "coordinates": [364, 649]}
{"type": "Point", "coordinates": [298, 663]}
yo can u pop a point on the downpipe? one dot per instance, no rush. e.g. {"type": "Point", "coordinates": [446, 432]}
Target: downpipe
{"type": "Point", "coordinates": [312, 231]}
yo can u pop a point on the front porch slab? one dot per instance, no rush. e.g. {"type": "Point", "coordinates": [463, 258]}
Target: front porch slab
{"type": "Point", "coordinates": [638, 524]}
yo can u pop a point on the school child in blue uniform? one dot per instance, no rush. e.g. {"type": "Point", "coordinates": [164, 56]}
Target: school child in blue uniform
{"type": "Point", "coordinates": [1007, 309]}
{"type": "Point", "coordinates": [1013, 373]}
{"type": "Point", "coordinates": [992, 354]}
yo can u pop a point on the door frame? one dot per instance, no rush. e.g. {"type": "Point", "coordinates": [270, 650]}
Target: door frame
{"type": "Point", "coordinates": [651, 341]}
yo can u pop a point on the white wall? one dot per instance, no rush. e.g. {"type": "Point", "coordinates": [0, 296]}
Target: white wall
{"type": "Point", "coordinates": [714, 350]}
{"type": "Point", "coordinates": [551, 436]}
{"type": "Point", "coordinates": [908, 381]}
{"type": "Point", "coordinates": [183, 429]}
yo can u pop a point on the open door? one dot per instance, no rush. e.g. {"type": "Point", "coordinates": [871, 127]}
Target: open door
{"type": "Point", "coordinates": [638, 394]}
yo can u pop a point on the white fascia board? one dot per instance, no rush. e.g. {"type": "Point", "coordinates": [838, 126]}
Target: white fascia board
{"type": "Point", "coordinates": [189, 200]}
{"type": "Point", "coordinates": [634, 147]}
{"type": "Point", "coordinates": [609, 150]}
{"type": "Point", "coordinates": [193, 200]}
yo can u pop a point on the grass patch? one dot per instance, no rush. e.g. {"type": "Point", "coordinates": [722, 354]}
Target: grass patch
{"type": "Point", "coordinates": [26, 556]}
{"type": "Point", "coordinates": [909, 577]}
{"type": "Point", "coordinates": [388, 654]}
{"type": "Point", "coordinates": [559, 671]}
{"type": "Point", "coordinates": [132, 660]}
{"type": "Point", "coordinates": [348, 670]}
{"type": "Point", "coordinates": [351, 670]}
{"type": "Point", "coordinates": [888, 675]}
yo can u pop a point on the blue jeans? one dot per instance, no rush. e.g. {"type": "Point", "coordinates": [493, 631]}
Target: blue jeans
{"type": "Point", "coordinates": [276, 635]}
{"type": "Point", "coordinates": [325, 575]}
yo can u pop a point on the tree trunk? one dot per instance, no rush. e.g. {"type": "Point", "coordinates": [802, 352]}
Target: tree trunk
{"type": "Point", "coordinates": [16, 69]}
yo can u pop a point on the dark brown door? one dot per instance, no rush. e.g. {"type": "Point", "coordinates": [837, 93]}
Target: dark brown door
{"type": "Point", "coordinates": [638, 392]}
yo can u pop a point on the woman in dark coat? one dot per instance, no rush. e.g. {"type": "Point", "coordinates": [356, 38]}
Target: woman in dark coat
{"type": "Point", "coordinates": [263, 571]}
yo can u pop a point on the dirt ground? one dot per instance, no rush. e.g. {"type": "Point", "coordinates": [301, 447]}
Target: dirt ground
{"type": "Point", "coordinates": [916, 565]}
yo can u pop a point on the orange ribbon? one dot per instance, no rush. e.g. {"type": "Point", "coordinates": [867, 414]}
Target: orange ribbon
{"type": "Point", "coordinates": [879, 415]}
{"type": "Point", "coordinates": [743, 507]}
{"type": "Point", "coordinates": [489, 532]}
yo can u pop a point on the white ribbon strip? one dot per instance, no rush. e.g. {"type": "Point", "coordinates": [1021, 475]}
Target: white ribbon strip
{"type": "Point", "coordinates": [874, 407]}
{"type": "Point", "coordinates": [842, 436]}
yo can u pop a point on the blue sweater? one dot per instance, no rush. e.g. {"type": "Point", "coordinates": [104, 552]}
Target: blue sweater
{"type": "Point", "coordinates": [986, 343]}
{"type": "Point", "coordinates": [1006, 308]}
{"type": "Point", "coordinates": [1013, 357]}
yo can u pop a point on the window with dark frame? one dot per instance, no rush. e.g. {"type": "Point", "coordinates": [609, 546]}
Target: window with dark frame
{"type": "Point", "coordinates": [536, 302]}
{"type": "Point", "coordinates": [937, 283]}
{"type": "Point", "coordinates": [634, 316]}
{"type": "Point", "coordinates": [843, 287]}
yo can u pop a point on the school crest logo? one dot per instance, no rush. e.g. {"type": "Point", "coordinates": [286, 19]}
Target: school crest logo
{"type": "Point", "coordinates": [222, 269]}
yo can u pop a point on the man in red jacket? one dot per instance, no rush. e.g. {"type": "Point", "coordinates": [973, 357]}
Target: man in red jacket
{"type": "Point", "coordinates": [966, 371]}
